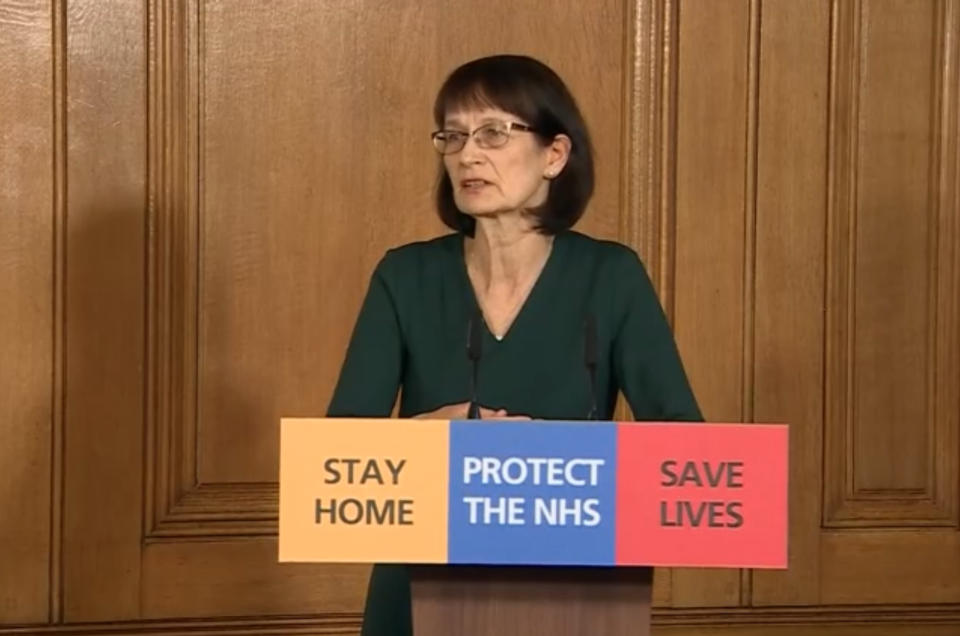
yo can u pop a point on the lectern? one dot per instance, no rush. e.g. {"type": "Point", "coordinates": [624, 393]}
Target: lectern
{"type": "Point", "coordinates": [514, 600]}
{"type": "Point", "coordinates": [533, 527]}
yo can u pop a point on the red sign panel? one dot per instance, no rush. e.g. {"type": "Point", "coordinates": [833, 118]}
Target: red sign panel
{"type": "Point", "coordinates": [695, 495]}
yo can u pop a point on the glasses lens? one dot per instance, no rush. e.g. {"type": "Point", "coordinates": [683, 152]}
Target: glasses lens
{"type": "Point", "coordinates": [493, 135]}
{"type": "Point", "coordinates": [447, 141]}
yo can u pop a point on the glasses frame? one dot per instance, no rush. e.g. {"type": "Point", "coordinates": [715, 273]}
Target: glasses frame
{"type": "Point", "coordinates": [509, 125]}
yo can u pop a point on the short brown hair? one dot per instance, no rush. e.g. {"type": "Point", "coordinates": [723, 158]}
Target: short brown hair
{"type": "Point", "coordinates": [531, 90]}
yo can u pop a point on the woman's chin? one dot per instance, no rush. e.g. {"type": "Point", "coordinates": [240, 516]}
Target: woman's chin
{"type": "Point", "coordinates": [480, 212]}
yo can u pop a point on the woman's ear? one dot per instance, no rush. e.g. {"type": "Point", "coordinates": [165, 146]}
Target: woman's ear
{"type": "Point", "coordinates": [558, 152]}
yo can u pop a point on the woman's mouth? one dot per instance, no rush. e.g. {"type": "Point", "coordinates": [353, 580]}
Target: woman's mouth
{"type": "Point", "coordinates": [473, 185]}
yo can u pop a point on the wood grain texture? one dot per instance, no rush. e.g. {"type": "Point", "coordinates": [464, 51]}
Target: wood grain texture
{"type": "Point", "coordinates": [890, 567]}
{"type": "Point", "coordinates": [106, 130]}
{"type": "Point", "coordinates": [58, 476]}
{"type": "Point", "coordinates": [711, 201]}
{"type": "Point", "coordinates": [928, 620]}
{"type": "Point", "coordinates": [520, 601]}
{"type": "Point", "coordinates": [220, 510]}
{"type": "Point", "coordinates": [173, 184]}
{"type": "Point", "coordinates": [242, 578]}
{"type": "Point", "coordinates": [27, 253]}
{"type": "Point", "coordinates": [750, 203]}
{"type": "Point", "coordinates": [866, 628]}
{"type": "Point", "coordinates": [891, 317]}
{"type": "Point", "coordinates": [791, 219]}
{"type": "Point", "coordinates": [947, 199]}
{"type": "Point", "coordinates": [889, 267]}
{"type": "Point", "coordinates": [284, 626]}
{"type": "Point", "coordinates": [648, 221]}
{"type": "Point", "coordinates": [804, 619]}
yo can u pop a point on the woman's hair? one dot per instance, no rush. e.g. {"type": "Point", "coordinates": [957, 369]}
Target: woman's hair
{"type": "Point", "coordinates": [533, 92]}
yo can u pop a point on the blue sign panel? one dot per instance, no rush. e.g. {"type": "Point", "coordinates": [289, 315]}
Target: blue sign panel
{"type": "Point", "coordinates": [523, 494]}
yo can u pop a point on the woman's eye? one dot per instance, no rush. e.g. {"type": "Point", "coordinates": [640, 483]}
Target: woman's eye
{"type": "Point", "coordinates": [491, 134]}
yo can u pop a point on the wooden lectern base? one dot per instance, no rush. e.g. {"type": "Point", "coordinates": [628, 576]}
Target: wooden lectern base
{"type": "Point", "coordinates": [508, 601]}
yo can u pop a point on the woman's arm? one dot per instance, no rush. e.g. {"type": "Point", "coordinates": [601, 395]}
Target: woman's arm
{"type": "Point", "coordinates": [370, 376]}
{"type": "Point", "coordinates": [647, 364]}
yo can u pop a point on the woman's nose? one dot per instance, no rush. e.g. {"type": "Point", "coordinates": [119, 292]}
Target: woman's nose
{"type": "Point", "coordinates": [471, 153]}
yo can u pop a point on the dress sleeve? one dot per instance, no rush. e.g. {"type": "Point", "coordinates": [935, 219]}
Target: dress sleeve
{"type": "Point", "coordinates": [370, 376]}
{"type": "Point", "coordinates": [646, 362]}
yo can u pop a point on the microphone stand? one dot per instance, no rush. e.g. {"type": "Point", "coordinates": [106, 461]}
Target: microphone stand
{"type": "Point", "coordinates": [590, 361]}
{"type": "Point", "coordinates": [474, 352]}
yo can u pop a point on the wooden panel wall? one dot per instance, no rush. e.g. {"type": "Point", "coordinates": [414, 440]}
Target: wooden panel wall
{"type": "Point", "coordinates": [193, 194]}
{"type": "Point", "coordinates": [285, 201]}
{"type": "Point", "coordinates": [788, 278]}
{"type": "Point", "coordinates": [27, 339]}
{"type": "Point", "coordinates": [892, 385]}
{"type": "Point", "coordinates": [104, 316]}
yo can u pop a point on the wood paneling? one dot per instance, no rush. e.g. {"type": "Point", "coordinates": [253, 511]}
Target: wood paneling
{"type": "Point", "coordinates": [890, 566]}
{"type": "Point", "coordinates": [241, 577]}
{"type": "Point", "coordinates": [892, 275]}
{"type": "Point", "coordinates": [27, 252]}
{"type": "Point", "coordinates": [790, 226]}
{"type": "Point", "coordinates": [890, 263]}
{"type": "Point", "coordinates": [106, 131]}
{"type": "Point", "coordinates": [263, 232]}
{"type": "Point", "coordinates": [714, 98]}
{"type": "Point", "coordinates": [865, 628]}
{"type": "Point", "coordinates": [648, 217]}
{"type": "Point", "coordinates": [304, 218]}
{"type": "Point", "coordinates": [172, 185]}
{"type": "Point", "coordinates": [931, 620]}
{"type": "Point", "coordinates": [283, 626]}
{"type": "Point", "coordinates": [648, 207]}
{"type": "Point", "coordinates": [194, 193]}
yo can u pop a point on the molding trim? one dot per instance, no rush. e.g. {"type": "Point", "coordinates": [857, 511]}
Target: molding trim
{"type": "Point", "coordinates": [176, 503]}
{"type": "Point", "coordinates": [647, 181]}
{"type": "Point", "coordinates": [285, 626]}
{"type": "Point", "coordinates": [58, 17]}
{"type": "Point", "coordinates": [749, 333]}
{"type": "Point", "coordinates": [753, 616]}
{"type": "Point", "coordinates": [648, 153]}
{"type": "Point", "coordinates": [905, 616]}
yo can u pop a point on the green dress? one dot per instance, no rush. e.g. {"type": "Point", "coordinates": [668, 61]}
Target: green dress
{"type": "Point", "coordinates": [411, 336]}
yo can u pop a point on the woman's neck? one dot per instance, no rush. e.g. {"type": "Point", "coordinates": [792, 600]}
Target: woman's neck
{"type": "Point", "coordinates": [505, 252]}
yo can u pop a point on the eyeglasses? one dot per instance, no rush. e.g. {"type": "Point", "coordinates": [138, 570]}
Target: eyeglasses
{"type": "Point", "coordinates": [491, 135]}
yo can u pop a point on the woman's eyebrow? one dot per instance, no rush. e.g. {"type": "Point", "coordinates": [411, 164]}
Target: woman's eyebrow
{"type": "Point", "coordinates": [453, 122]}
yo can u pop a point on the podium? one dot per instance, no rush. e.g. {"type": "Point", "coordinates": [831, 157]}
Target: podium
{"type": "Point", "coordinates": [532, 527]}
{"type": "Point", "coordinates": [508, 600]}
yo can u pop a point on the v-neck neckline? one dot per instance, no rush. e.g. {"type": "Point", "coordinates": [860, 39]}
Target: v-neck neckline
{"type": "Point", "coordinates": [535, 290]}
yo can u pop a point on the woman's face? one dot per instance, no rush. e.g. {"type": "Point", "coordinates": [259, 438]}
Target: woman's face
{"type": "Point", "coordinates": [491, 180]}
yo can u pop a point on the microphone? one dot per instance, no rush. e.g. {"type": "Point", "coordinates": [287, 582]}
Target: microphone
{"type": "Point", "coordinates": [590, 361]}
{"type": "Point", "coordinates": [474, 351]}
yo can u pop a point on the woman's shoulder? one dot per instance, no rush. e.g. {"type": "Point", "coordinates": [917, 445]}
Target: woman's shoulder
{"type": "Point", "coordinates": [606, 253]}
{"type": "Point", "coordinates": [426, 247]}
{"type": "Point", "coordinates": [424, 255]}
{"type": "Point", "coordinates": [612, 269]}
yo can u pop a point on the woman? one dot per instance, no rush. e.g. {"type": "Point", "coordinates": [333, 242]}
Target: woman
{"type": "Point", "coordinates": [516, 175]}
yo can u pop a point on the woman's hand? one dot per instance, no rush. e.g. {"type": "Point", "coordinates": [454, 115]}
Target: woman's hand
{"type": "Point", "coordinates": [459, 412]}
{"type": "Point", "coordinates": [500, 414]}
